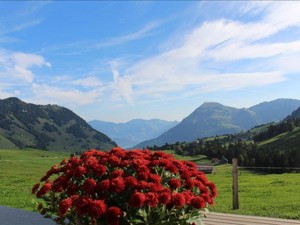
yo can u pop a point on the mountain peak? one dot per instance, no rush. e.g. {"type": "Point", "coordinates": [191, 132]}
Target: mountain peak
{"type": "Point", "coordinates": [211, 104]}
{"type": "Point", "coordinates": [12, 99]}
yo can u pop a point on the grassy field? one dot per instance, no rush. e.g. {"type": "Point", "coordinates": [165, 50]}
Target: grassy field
{"type": "Point", "coordinates": [19, 171]}
{"type": "Point", "coordinates": [273, 195]}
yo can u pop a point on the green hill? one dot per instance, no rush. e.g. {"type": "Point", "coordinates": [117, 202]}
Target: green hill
{"type": "Point", "coordinates": [48, 127]}
{"type": "Point", "coordinates": [213, 118]}
{"type": "Point", "coordinates": [281, 150]}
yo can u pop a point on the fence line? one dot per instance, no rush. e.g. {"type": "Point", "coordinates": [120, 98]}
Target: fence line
{"type": "Point", "coordinates": [260, 167]}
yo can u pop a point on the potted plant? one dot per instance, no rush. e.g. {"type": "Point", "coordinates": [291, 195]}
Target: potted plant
{"type": "Point", "coordinates": [124, 187]}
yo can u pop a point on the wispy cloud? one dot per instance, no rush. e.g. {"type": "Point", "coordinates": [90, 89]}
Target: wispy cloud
{"type": "Point", "coordinates": [33, 7]}
{"type": "Point", "coordinates": [146, 31]}
{"type": "Point", "coordinates": [16, 66]}
{"type": "Point", "coordinates": [45, 94]}
{"type": "Point", "coordinates": [183, 69]}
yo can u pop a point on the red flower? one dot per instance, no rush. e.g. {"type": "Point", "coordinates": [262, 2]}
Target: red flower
{"type": "Point", "coordinates": [137, 200]}
{"type": "Point", "coordinates": [113, 214]}
{"type": "Point", "coordinates": [35, 188]}
{"type": "Point", "coordinates": [72, 189]}
{"type": "Point", "coordinates": [189, 184]}
{"type": "Point", "coordinates": [172, 169]}
{"type": "Point", "coordinates": [164, 198]}
{"type": "Point", "coordinates": [117, 185]}
{"type": "Point", "coordinates": [142, 176]}
{"type": "Point", "coordinates": [188, 196]}
{"type": "Point", "coordinates": [103, 185]}
{"type": "Point", "coordinates": [96, 208]}
{"type": "Point", "coordinates": [114, 161]}
{"type": "Point", "coordinates": [174, 183]}
{"type": "Point", "coordinates": [118, 152]}
{"type": "Point", "coordinates": [44, 190]}
{"type": "Point", "coordinates": [151, 199]}
{"type": "Point", "coordinates": [79, 171]}
{"type": "Point", "coordinates": [64, 206]}
{"type": "Point", "coordinates": [155, 187]}
{"type": "Point", "coordinates": [130, 181]}
{"type": "Point", "coordinates": [142, 185]}
{"type": "Point", "coordinates": [116, 173]}
{"type": "Point", "coordinates": [155, 178]}
{"type": "Point", "coordinates": [198, 202]}
{"type": "Point", "coordinates": [81, 205]}
{"type": "Point", "coordinates": [89, 185]}
{"type": "Point", "coordinates": [178, 200]}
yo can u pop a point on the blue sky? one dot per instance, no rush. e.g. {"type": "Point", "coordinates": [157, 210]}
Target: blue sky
{"type": "Point", "coordinates": [116, 61]}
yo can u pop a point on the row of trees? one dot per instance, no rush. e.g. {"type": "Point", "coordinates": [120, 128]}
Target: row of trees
{"type": "Point", "coordinates": [244, 147]}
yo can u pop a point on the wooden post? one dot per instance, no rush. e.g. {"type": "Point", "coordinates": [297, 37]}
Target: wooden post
{"type": "Point", "coordinates": [235, 193]}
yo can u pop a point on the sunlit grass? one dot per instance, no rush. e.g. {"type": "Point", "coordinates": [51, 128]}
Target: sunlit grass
{"type": "Point", "coordinates": [272, 195]}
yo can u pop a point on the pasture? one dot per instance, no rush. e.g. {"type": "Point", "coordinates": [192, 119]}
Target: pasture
{"type": "Point", "coordinates": [271, 195]}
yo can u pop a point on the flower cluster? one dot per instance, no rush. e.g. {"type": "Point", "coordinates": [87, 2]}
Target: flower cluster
{"type": "Point", "coordinates": [124, 187]}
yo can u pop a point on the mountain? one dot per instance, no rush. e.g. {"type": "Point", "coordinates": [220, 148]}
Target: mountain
{"type": "Point", "coordinates": [133, 132]}
{"type": "Point", "coordinates": [212, 119]}
{"type": "Point", "coordinates": [296, 114]}
{"type": "Point", "coordinates": [48, 127]}
{"type": "Point", "coordinates": [274, 110]}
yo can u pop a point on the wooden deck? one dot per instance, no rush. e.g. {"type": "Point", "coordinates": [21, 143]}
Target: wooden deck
{"type": "Point", "coordinates": [231, 219]}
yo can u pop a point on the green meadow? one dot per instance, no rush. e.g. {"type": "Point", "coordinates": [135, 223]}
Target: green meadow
{"type": "Point", "coordinates": [19, 171]}
{"type": "Point", "coordinates": [272, 195]}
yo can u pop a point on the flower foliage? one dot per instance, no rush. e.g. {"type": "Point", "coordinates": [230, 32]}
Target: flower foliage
{"type": "Point", "coordinates": [124, 187]}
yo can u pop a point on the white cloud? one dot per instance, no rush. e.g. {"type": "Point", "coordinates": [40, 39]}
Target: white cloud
{"type": "Point", "coordinates": [144, 32]}
{"type": "Point", "coordinates": [17, 65]}
{"type": "Point", "coordinates": [44, 93]}
{"type": "Point", "coordinates": [183, 69]}
{"type": "Point", "coordinates": [88, 82]}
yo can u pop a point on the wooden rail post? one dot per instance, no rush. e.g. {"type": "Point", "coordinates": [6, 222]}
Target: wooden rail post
{"type": "Point", "coordinates": [235, 193]}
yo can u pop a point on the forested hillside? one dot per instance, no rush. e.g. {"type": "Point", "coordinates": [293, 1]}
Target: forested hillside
{"type": "Point", "coordinates": [270, 145]}
{"type": "Point", "coordinates": [48, 127]}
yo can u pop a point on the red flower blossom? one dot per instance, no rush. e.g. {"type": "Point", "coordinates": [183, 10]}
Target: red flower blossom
{"type": "Point", "coordinates": [64, 206]}
{"type": "Point", "coordinates": [174, 183]}
{"type": "Point", "coordinates": [96, 208]}
{"type": "Point", "coordinates": [137, 200]}
{"type": "Point", "coordinates": [89, 185]}
{"type": "Point", "coordinates": [113, 215]}
{"type": "Point", "coordinates": [198, 202]}
{"type": "Point", "coordinates": [164, 198]}
{"type": "Point", "coordinates": [178, 200]}
{"type": "Point", "coordinates": [72, 189]}
{"type": "Point", "coordinates": [44, 190]}
{"type": "Point", "coordinates": [81, 205]}
{"type": "Point", "coordinates": [151, 199]}
{"type": "Point", "coordinates": [117, 185]}
{"type": "Point", "coordinates": [103, 185]}
{"type": "Point", "coordinates": [35, 188]}
{"type": "Point", "coordinates": [130, 181]}
{"type": "Point", "coordinates": [117, 151]}
{"type": "Point", "coordinates": [155, 178]}
{"type": "Point", "coordinates": [116, 173]}
{"type": "Point", "coordinates": [79, 171]}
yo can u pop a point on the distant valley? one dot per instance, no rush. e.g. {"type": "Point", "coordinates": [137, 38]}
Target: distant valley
{"type": "Point", "coordinates": [133, 132]}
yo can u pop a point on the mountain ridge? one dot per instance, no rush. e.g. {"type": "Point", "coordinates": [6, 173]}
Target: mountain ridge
{"type": "Point", "coordinates": [213, 118]}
